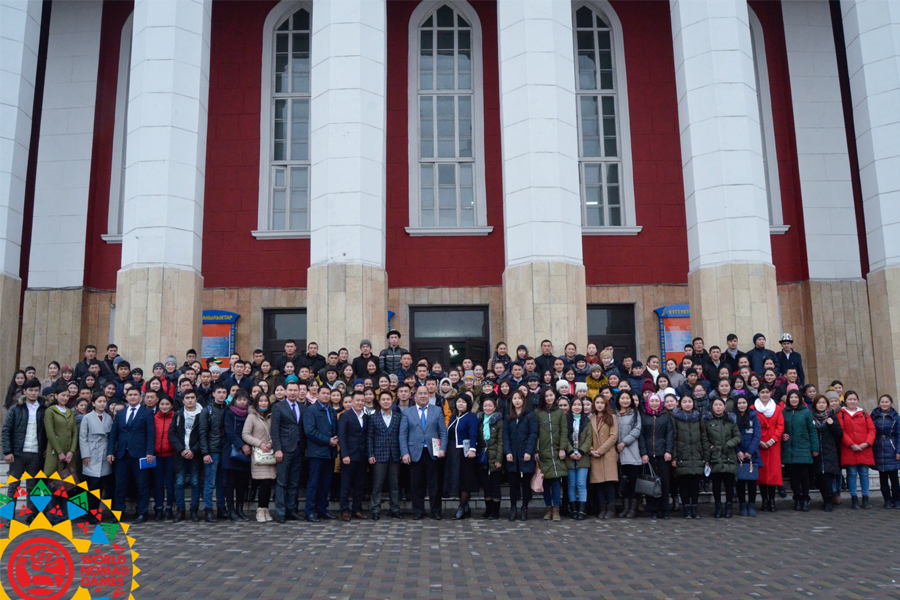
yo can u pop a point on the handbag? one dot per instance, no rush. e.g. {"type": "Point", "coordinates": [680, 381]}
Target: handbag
{"type": "Point", "coordinates": [747, 471]}
{"type": "Point", "coordinates": [260, 458]}
{"type": "Point", "coordinates": [648, 485]}
{"type": "Point", "coordinates": [238, 455]}
{"type": "Point", "coordinates": [70, 472]}
{"type": "Point", "coordinates": [537, 481]}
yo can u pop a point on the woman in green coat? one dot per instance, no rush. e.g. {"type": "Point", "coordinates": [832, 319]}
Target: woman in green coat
{"type": "Point", "coordinates": [724, 438]}
{"type": "Point", "coordinates": [62, 434]}
{"type": "Point", "coordinates": [490, 445]}
{"type": "Point", "coordinates": [578, 462]}
{"type": "Point", "coordinates": [551, 450]}
{"type": "Point", "coordinates": [799, 444]}
{"type": "Point", "coordinates": [691, 454]}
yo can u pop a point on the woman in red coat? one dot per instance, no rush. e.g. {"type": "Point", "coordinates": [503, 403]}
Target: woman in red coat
{"type": "Point", "coordinates": [856, 446]}
{"type": "Point", "coordinates": [772, 428]}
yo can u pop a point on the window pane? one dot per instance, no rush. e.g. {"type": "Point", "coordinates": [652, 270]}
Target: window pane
{"type": "Point", "coordinates": [301, 21]}
{"type": "Point", "coordinates": [449, 323]}
{"type": "Point", "coordinates": [429, 22]}
{"type": "Point", "coordinates": [300, 64]}
{"type": "Point", "coordinates": [590, 127]}
{"type": "Point", "coordinates": [426, 176]}
{"type": "Point", "coordinates": [285, 325]}
{"type": "Point", "coordinates": [603, 40]}
{"type": "Point", "coordinates": [593, 199]}
{"type": "Point", "coordinates": [300, 130]}
{"type": "Point", "coordinates": [446, 126]}
{"type": "Point", "coordinates": [609, 126]}
{"type": "Point", "coordinates": [426, 61]}
{"type": "Point", "coordinates": [426, 126]}
{"type": "Point", "coordinates": [447, 195]}
{"type": "Point", "coordinates": [464, 70]}
{"type": "Point", "coordinates": [461, 22]}
{"type": "Point", "coordinates": [279, 178]}
{"type": "Point", "coordinates": [279, 133]}
{"type": "Point", "coordinates": [601, 22]}
{"type": "Point", "coordinates": [445, 17]}
{"type": "Point", "coordinates": [587, 74]}
{"type": "Point", "coordinates": [585, 40]}
{"type": "Point", "coordinates": [583, 17]}
{"type": "Point", "coordinates": [466, 196]}
{"type": "Point", "coordinates": [281, 67]}
{"type": "Point", "coordinates": [465, 126]}
{"type": "Point", "coordinates": [281, 43]}
{"type": "Point", "coordinates": [610, 320]}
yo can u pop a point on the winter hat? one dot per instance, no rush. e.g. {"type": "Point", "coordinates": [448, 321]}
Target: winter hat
{"type": "Point", "coordinates": [171, 359]}
{"type": "Point", "coordinates": [158, 365]}
{"type": "Point", "coordinates": [214, 369]}
{"type": "Point", "coordinates": [792, 386]}
{"type": "Point", "coordinates": [116, 360]}
{"type": "Point", "coordinates": [469, 375]}
{"type": "Point", "coordinates": [291, 379]}
{"type": "Point", "coordinates": [357, 382]}
{"type": "Point", "coordinates": [649, 410]}
{"type": "Point", "coordinates": [596, 367]}
{"type": "Point", "coordinates": [579, 358]}
{"type": "Point", "coordinates": [648, 386]}
{"type": "Point", "coordinates": [580, 385]}
{"type": "Point", "coordinates": [447, 380]}
{"type": "Point", "coordinates": [606, 353]}
{"type": "Point", "coordinates": [637, 363]}
{"type": "Point", "coordinates": [365, 343]}
{"type": "Point", "coordinates": [560, 383]}
{"type": "Point", "coordinates": [533, 377]}
{"type": "Point", "coordinates": [756, 336]}
{"type": "Point", "coordinates": [832, 395]}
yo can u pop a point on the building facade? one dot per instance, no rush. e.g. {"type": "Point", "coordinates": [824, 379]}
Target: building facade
{"type": "Point", "coordinates": [480, 171]}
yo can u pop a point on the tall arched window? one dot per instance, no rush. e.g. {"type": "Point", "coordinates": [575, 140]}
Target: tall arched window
{"type": "Point", "coordinates": [604, 134]}
{"type": "Point", "coordinates": [767, 125]}
{"type": "Point", "coordinates": [446, 121]}
{"type": "Point", "coordinates": [120, 139]}
{"type": "Point", "coordinates": [284, 123]}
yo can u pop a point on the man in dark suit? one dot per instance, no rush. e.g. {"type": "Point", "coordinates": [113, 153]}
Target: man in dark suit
{"type": "Point", "coordinates": [132, 438]}
{"type": "Point", "coordinates": [320, 427]}
{"type": "Point", "coordinates": [352, 438]}
{"type": "Point", "coordinates": [383, 446]}
{"type": "Point", "coordinates": [288, 441]}
{"type": "Point", "coordinates": [420, 426]}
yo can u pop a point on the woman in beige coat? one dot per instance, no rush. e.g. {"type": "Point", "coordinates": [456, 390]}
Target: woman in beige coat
{"type": "Point", "coordinates": [604, 458]}
{"type": "Point", "coordinates": [257, 434]}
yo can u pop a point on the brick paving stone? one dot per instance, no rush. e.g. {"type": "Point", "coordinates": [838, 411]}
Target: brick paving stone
{"type": "Point", "coordinates": [786, 555]}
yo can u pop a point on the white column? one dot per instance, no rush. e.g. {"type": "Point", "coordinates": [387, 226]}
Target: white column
{"type": "Point", "coordinates": [20, 30]}
{"type": "Point", "coordinates": [836, 287]}
{"type": "Point", "coordinates": [872, 38]}
{"type": "Point", "coordinates": [62, 182]}
{"type": "Point", "coordinates": [347, 284]}
{"type": "Point", "coordinates": [731, 278]}
{"type": "Point", "coordinates": [543, 284]}
{"type": "Point", "coordinates": [159, 285]}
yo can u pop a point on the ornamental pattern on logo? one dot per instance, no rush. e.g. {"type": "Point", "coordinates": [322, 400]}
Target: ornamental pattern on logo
{"type": "Point", "coordinates": [60, 541]}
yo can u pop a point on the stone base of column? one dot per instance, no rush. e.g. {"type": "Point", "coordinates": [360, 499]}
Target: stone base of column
{"type": "Point", "coordinates": [734, 298]}
{"type": "Point", "coordinates": [346, 304]}
{"type": "Point", "coordinates": [545, 301]}
{"type": "Point", "coordinates": [51, 327]}
{"type": "Point", "coordinates": [10, 296]}
{"type": "Point", "coordinates": [158, 313]}
{"type": "Point", "coordinates": [884, 308]}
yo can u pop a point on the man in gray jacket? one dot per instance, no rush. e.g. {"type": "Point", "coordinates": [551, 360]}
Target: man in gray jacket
{"type": "Point", "coordinates": [423, 441]}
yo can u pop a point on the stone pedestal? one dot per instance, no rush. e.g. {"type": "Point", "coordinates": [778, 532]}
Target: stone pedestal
{"type": "Point", "coordinates": [545, 301]}
{"type": "Point", "coordinates": [884, 307]}
{"type": "Point", "coordinates": [10, 294]}
{"type": "Point", "coordinates": [158, 313]}
{"type": "Point", "coordinates": [346, 304]}
{"type": "Point", "coordinates": [734, 298]}
{"type": "Point", "coordinates": [51, 327]}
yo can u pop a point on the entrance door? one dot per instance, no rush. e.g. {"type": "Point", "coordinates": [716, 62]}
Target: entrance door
{"type": "Point", "coordinates": [281, 325]}
{"type": "Point", "coordinates": [449, 334]}
{"type": "Point", "coordinates": [613, 324]}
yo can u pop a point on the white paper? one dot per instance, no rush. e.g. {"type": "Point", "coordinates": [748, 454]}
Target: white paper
{"type": "Point", "coordinates": [435, 446]}
{"type": "Point", "coordinates": [707, 470]}
{"type": "Point", "coordinates": [467, 445]}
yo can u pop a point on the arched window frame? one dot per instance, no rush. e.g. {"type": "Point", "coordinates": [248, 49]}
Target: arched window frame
{"type": "Point", "coordinates": [629, 224]}
{"type": "Point", "coordinates": [120, 138]}
{"type": "Point", "coordinates": [282, 10]}
{"type": "Point", "coordinates": [418, 17]}
{"type": "Point", "coordinates": [767, 126]}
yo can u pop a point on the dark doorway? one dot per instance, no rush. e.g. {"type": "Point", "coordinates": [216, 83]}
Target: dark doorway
{"type": "Point", "coordinates": [450, 334]}
{"type": "Point", "coordinates": [281, 325]}
{"type": "Point", "coordinates": [613, 324]}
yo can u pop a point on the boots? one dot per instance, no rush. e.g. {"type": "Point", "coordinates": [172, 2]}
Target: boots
{"type": "Point", "coordinates": [495, 516]}
{"type": "Point", "coordinates": [854, 502]}
{"type": "Point", "coordinates": [549, 514]}
{"type": "Point", "coordinates": [582, 511]}
{"type": "Point", "coordinates": [626, 505]}
{"type": "Point", "coordinates": [718, 510]}
{"type": "Point", "coordinates": [632, 509]}
{"type": "Point", "coordinates": [222, 513]}
{"type": "Point", "coordinates": [828, 507]}
{"type": "Point", "coordinates": [687, 510]}
{"type": "Point", "coordinates": [573, 510]}
{"type": "Point", "coordinates": [211, 516]}
{"type": "Point", "coordinates": [695, 513]}
{"type": "Point", "coordinates": [233, 516]}
{"type": "Point", "coordinates": [805, 506]}
{"type": "Point", "coordinates": [240, 512]}
{"type": "Point", "coordinates": [728, 510]}
{"type": "Point", "coordinates": [555, 516]}
{"type": "Point", "coordinates": [168, 516]}
{"type": "Point", "coordinates": [179, 516]}
{"type": "Point", "coordinates": [836, 499]}
{"type": "Point", "coordinates": [195, 515]}
{"type": "Point", "coordinates": [460, 512]}
{"type": "Point", "coordinates": [159, 514]}
{"type": "Point", "coordinates": [610, 511]}
{"type": "Point", "coordinates": [865, 502]}
{"type": "Point", "coordinates": [743, 509]}
{"type": "Point", "coordinates": [523, 512]}
{"type": "Point", "coordinates": [513, 513]}
{"type": "Point", "coordinates": [751, 509]}
{"type": "Point", "coordinates": [798, 504]}
{"type": "Point", "coordinates": [488, 509]}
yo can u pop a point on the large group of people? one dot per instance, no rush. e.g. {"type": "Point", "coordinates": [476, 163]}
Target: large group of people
{"type": "Point", "coordinates": [585, 431]}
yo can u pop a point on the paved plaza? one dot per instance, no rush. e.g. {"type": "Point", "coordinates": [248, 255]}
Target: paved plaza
{"type": "Point", "coordinates": [846, 554]}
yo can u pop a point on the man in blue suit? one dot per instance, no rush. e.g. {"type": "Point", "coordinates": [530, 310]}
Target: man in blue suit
{"type": "Point", "coordinates": [288, 441]}
{"type": "Point", "coordinates": [420, 426]}
{"type": "Point", "coordinates": [132, 438]}
{"type": "Point", "coordinates": [320, 426]}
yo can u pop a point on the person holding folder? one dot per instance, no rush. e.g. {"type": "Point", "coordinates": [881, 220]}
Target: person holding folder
{"type": "Point", "coordinates": [132, 438]}
{"type": "Point", "coordinates": [423, 440]}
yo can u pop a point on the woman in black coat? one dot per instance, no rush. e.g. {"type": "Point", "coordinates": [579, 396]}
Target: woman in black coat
{"type": "Point", "coordinates": [827, 465]}
{"type": "Point", "coordinates": [520, 434]}
{"type": "Point", "coordinates": [659, 439]}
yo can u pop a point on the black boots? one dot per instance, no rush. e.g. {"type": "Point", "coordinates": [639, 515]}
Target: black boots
{"type": "Point", "coordinates": [488, 509]}
{"type": "Point", "coordinates": [239, 509]}
{"type": "Point", "coordinates": [865, 502]}
{"type": "Point", "coordinates": [523, 512]}
{"type": "Point", "coordinates": [513, 513]}
{"type": "Point", "coordinates": [495, 512]}
{"type": "Point", "coordinates": [195, 515]}
{"type": "Point", "coordinates": [687, 510]}
{"type": "Point", "coordinates": [805, 506]}
{"type": "Point", "coordinates": [211, 516]}
{"type": "Point", "coordinates": [854, 502]}
{"type": "Point", "coordinates": [695, 513]}
{"type": "Point", "coordinates": [159, 514]}
{"type": "Point", "coordinates": [461, 512]}
{"type": "Point", "coordinates": [728, 510]}
{"type": "Point", "coordinates": [179, 516]}
{"type": "Point", "coordinates": [719, 512]}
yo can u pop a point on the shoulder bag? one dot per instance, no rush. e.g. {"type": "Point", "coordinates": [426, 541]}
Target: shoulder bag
{"type": "Point", "coordinates": [648, 485]}
{"type": "Point", "coordinates": [260, 458]}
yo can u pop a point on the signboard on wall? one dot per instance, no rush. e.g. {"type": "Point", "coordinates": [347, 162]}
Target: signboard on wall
{"type": "Point", "coordinates": [219, 328]}
{"type": "Point", "coordinates": [674, 331]}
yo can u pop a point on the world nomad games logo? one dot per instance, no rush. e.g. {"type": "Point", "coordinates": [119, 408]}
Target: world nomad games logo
{"type": "Point", "coordinates": [60, 541]}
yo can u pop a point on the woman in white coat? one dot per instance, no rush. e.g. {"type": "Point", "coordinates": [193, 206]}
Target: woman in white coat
{"type": "Point", "coordinates": [93, 436]}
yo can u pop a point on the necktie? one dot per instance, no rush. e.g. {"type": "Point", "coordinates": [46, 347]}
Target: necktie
{"type": "Point", "coordinates": [328, 415]}
{"type": "Point", "coordinates": [130, 416]}
{"type": "Point", "coordinates": [296, 412]}
{"type": "Point", "coordinates": [422, 417]}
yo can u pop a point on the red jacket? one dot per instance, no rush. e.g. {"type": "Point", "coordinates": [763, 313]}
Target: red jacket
{"type": "Point", "coordinates": [168, 388]}
{"type": "Point", "coordinates": [858, 428]}
{"type": "Point", "coordinates": [771, 428]}
{"type": "Point", "coordinates": [163, 421]}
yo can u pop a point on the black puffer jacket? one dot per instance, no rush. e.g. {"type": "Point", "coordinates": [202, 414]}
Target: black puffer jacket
{"type": "Point", "coordinates": [16, 426]}
{"type": "Point", "coordinates": [520, 438]}
{"type": "Point", "coordinates": [830, 436]}
{"type": "Point", "coordinates": [212, 429]}
{"type": "Point", "coordinates": [658, 432]}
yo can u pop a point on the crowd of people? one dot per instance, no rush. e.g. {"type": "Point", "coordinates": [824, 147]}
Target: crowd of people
{"type": "Point", "coordinates": [585, 431]}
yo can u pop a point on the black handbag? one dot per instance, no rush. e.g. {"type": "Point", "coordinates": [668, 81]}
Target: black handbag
{"type": "Point", "coordinates": [648, 485]}
{"type": "Point", "coordinates": [747, 471]}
